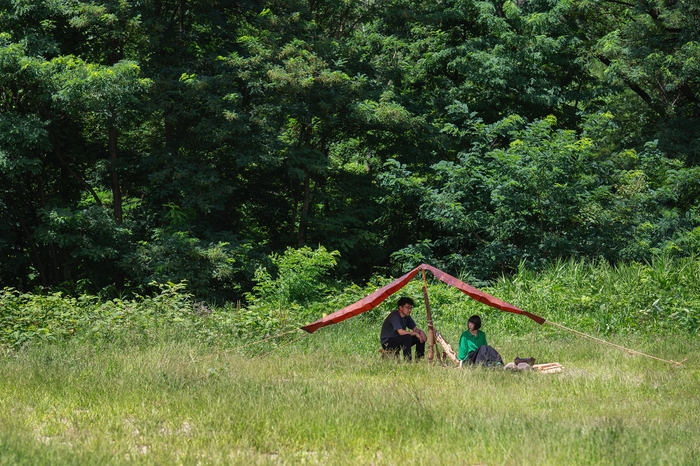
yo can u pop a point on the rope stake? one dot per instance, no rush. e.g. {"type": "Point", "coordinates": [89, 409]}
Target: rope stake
{"type": "Point", "coordinates": [280, 346]}
{"type": "Point", "coordinates": [266, 339]}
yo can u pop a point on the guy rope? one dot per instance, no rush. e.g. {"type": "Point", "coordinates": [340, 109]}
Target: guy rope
{"type": "Point", "coordinates": [600, 340]}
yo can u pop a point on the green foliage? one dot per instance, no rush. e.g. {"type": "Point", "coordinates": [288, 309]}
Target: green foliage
{"type": "Point", "coordinates": [300, 289]}
{"type": "Point", "coordinates": [649, 49]}
{"type": "Point", "coordinates": [90, 234]}
{"type": "Point", "coordinates": [473, 135]}
{"type": "Point", "coordinates": [175, 256]}
{"type": "Point", "coordinates": [610, 299]}
{"type": "Point", "coordinates": [170, 313]}
{"type": "Point", "coordinates": [297, 289]}
{"type": "Point", "coordinates": [104, 95]}
{"type": "Point", "coordinates": [30, 318]}
{"type": "Point", "coordinates": [299, 276]}
{"type": "Point", "coordinates": [549, 193]}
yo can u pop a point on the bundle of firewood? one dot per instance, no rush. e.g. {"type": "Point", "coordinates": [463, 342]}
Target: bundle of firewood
{"type": "Point", "coordinates": [447, 349]}
{"type": "Point", "coordinates": [548, 368]}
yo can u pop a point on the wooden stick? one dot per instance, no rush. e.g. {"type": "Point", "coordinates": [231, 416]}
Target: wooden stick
{"type": "Point", "coordinates": [545, 366]}
{"type": "Point", "coordinates": [431, 327]}
{"type": "Point", "coordinates": [548, 368]}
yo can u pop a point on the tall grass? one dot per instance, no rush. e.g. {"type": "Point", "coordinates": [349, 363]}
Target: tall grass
{"type": "Point", "coordinates": [660, 296]}
{"type": "Point", "coordinates": [329, 399]}
{"type": "Point", "coordinates": [166, 380]}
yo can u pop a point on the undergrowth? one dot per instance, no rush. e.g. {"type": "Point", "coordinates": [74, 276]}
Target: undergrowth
{"type": "Point", "coordinates": [595, 297]}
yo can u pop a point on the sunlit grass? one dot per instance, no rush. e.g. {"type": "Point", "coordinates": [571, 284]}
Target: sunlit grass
{"type": "Point", "coordinates": [158, 381]}
{"type": "Point", "coordinates": [329, 399]}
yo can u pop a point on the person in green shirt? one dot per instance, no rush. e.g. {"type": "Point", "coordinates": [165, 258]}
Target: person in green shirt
{"type": "Point", "coordinates": [473, 348]}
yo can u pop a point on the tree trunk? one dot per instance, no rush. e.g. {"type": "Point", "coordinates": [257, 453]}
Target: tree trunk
{"type": "Point", "coordinates": [169, 134]}
{"type": "Point", "coordinates": [33, 247]}
{"type": "Point", "coordinates": [295, 188]}
{"type": "Point", "coordinates": [117, 194]}
{"type": "Point", "coordinates": [304, 220]}
{"type": "Point", "coordinates": [57, 152]}
{"type": "Point", "coordinates": [116, 191]}
{"type": "Point", "coordinates": [52, 248]}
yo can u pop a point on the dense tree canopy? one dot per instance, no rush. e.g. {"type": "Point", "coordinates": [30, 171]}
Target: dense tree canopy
{"type": "Point", "coordinates": [187, 139]}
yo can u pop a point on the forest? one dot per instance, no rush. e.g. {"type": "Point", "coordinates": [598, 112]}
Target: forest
{"type": "Point", "coordinates": [155, 141]}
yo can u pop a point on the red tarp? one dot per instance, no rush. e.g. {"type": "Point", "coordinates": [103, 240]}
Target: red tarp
{"type": "Point", "coordinates": [376, 298]}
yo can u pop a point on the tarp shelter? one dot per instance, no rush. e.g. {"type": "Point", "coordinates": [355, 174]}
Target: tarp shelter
{"type": "Point", "coordinates": [375, 299]}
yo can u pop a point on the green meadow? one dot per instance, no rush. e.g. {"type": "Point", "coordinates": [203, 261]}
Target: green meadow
{"type": "Point", "coordinates": [198, 388]}
{"type": "Point", "coordinates": [329, 398]}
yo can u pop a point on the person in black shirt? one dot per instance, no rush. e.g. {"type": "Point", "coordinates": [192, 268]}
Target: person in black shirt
{"type": "Point", "coordinates": [399, 331]}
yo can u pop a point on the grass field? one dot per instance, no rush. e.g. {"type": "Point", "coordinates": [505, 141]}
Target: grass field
{"type": "Point", "coordinates": [329, 399]}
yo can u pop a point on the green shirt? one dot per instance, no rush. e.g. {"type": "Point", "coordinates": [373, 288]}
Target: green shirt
{"type": "Point", "coordinates": [469, 343]}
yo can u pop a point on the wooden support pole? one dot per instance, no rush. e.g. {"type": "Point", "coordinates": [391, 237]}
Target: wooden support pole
{"type": "Point", "coordinates": [431, 327]}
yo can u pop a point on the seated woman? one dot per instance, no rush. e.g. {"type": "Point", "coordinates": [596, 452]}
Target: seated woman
{"type": "Point", "coordinates": [473, 348]}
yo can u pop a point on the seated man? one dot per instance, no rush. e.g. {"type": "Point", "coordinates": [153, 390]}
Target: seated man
{"type": "Point", "coordinates": [395, 336]}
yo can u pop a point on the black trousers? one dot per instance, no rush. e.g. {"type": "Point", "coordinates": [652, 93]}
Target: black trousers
{"type": "Point", "coordinates": [405, 343]}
